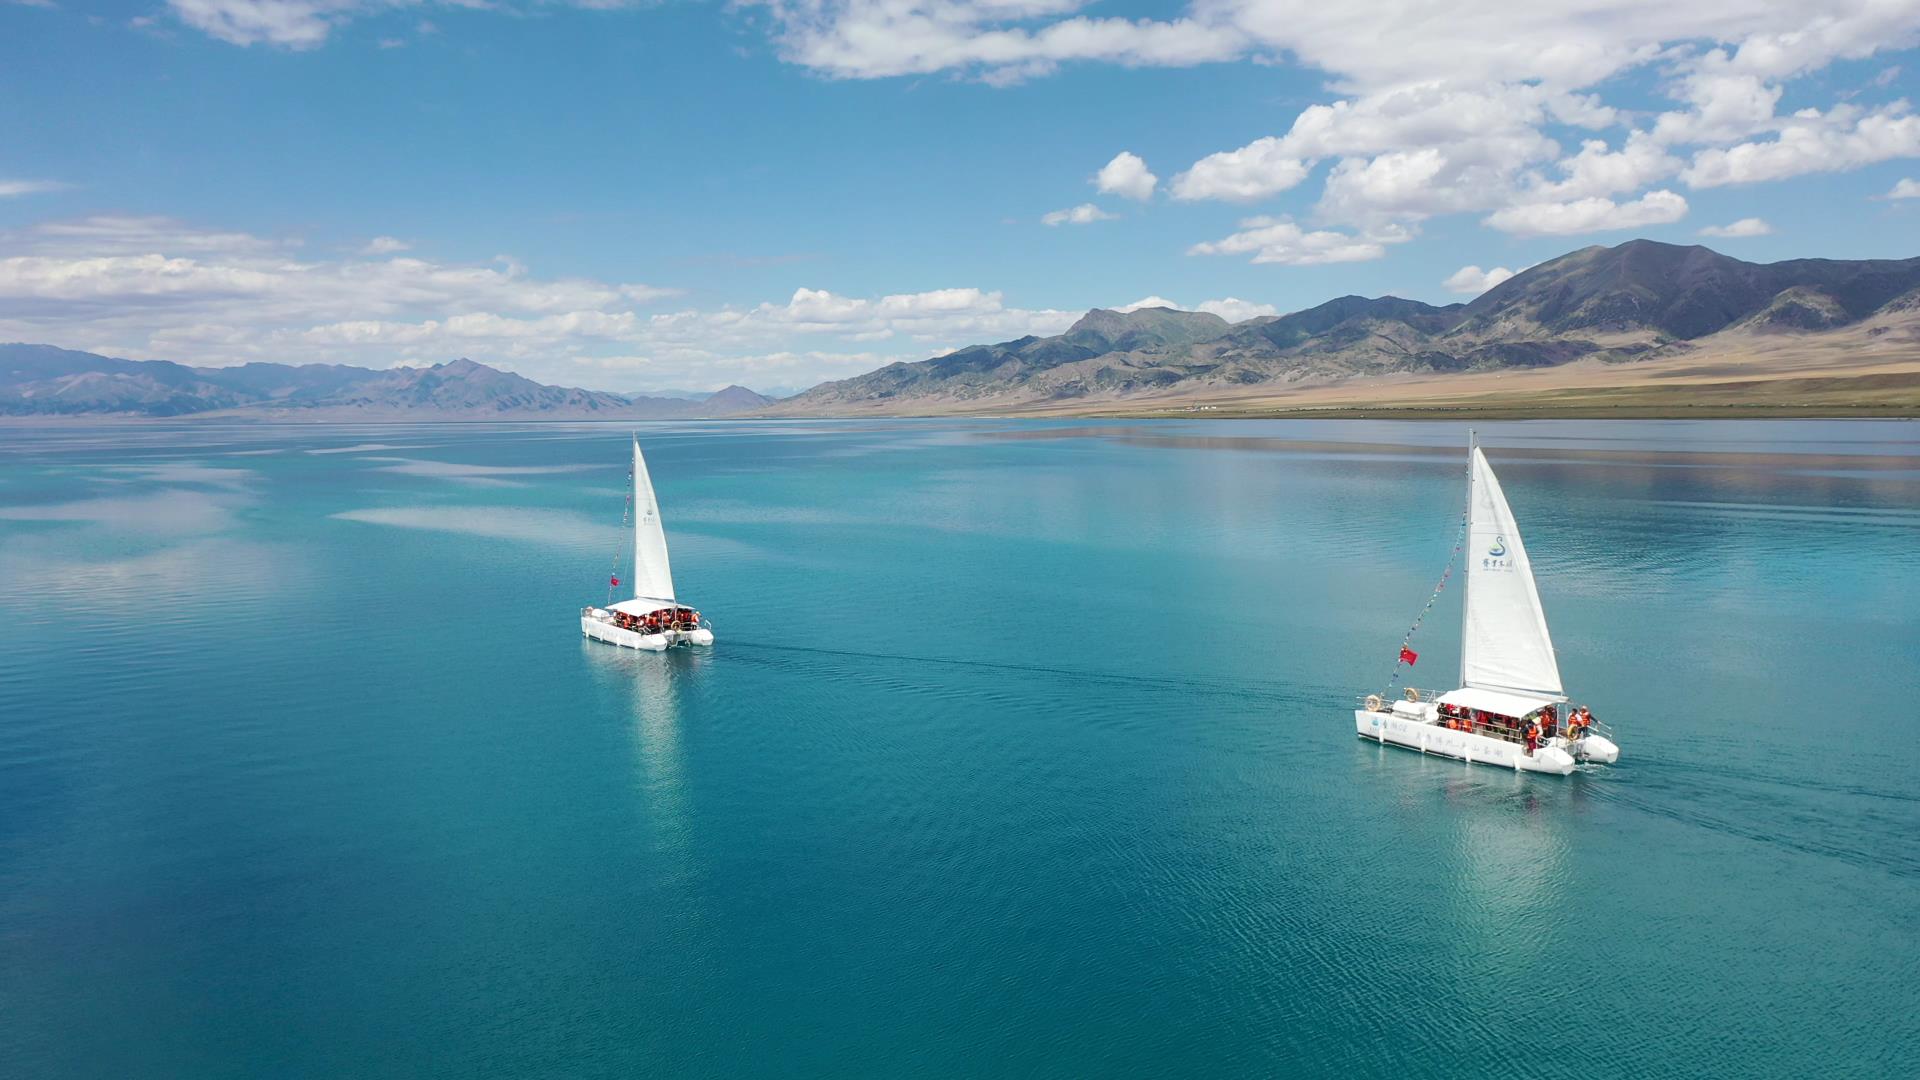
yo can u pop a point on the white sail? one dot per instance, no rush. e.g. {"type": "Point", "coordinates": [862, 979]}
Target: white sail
{"type": "Point", "coordinates": [652, 576]}
{"type": "Point", "coordinates": [1505, 645]}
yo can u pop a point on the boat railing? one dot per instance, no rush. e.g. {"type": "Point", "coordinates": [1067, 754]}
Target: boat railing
{"type": "Point", "coordinates": [1595, 727]}
{"type": "Point", "coordinates": [1514, 733]}
{"type": "Point", "coordinates": [1408, 694]}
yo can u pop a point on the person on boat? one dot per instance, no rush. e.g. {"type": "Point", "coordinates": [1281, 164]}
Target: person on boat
{"type": "Point", "coordinates": [1533, 736]}
{"type": "Point", "coordinates": [1549, 723]}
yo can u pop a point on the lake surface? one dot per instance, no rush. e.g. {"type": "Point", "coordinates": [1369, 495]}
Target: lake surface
{"type": "Point", "coordinates": [1026, 749]}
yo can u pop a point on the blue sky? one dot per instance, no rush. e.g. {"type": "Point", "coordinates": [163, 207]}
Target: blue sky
{"type": "Point", "coordinates": [688, 194]}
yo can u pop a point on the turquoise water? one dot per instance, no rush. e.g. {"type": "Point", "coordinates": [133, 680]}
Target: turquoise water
{"type": "Point", "coordinates": [1026, 749]}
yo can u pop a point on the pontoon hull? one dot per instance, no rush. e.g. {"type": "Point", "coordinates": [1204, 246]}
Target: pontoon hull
{"type": "Point", "coordinates": [633, 639]}
{"type": "Point", "coordinates": [1596, 748]}
{"type": "Point", "coordinates": [1428, 738]}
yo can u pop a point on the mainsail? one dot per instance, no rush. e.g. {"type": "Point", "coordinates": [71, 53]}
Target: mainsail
{"type": "Point", "coordinates": [652, 576]}
{"type": "Point", "coordinates": [1505, 645]}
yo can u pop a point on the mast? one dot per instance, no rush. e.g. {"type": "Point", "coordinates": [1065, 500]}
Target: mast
{"type": "Point", "coordinates": [638, 512]}
{"type": "Point", "coordinates": [1466, 579]}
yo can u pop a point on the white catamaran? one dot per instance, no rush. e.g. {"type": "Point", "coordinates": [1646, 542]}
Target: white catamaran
{"type": "Point", "coordinates": [654, 619]}
{"type": "Point", "coordinates": [1510, 709]}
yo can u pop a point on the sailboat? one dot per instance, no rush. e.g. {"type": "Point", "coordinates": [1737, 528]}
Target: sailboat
{"type": "Point", "coordinates": [1511, 709]}
{"type": "Point", "coordinates": [654, 619]}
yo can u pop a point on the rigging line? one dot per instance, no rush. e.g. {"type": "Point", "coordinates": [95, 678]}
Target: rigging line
{"type": "Point", "coordinates": [625, 512]}
{"type": "Point", "coordinates": [1459, 542]}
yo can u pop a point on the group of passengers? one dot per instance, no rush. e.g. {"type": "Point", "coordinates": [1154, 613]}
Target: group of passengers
{"type": "Point", "coordinates": [658, 622]}
{"type": "Point", "coordinates": [1534, 730]}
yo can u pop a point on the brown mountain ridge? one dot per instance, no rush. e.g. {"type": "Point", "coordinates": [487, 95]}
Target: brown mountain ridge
{"type": "Point", "coordinates": [1610, 314]}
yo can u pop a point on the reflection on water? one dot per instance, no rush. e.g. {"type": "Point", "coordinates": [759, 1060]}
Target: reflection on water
{"type": "Point", "coordinates": [655, 683]}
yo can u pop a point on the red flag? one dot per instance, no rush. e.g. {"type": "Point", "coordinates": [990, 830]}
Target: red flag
{"type": "Point", "coordinates": [1408, 656]}
{"type": "Point", "coordinates": [616, 581]}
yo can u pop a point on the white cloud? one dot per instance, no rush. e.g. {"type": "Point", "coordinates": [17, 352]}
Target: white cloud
{"type": "Point", "coordinates": [1151, 302]}
{"type": "Point", "coordinates": [1751, 226]}
{"type": "Point", "coordinates": [384, 245]}
{"type": "Point", "coordinates": [157, 287]}
{"type": "Point", "coordinates": [1233, 309]}
{"type": "Point", "coordinates": [307, 24]}
{"type": "Point", "coordinates": [996, 39]}
{"type": "Point", "coordinates": [1596, 214]}
{"type": "Point", "coordinates": [1724, 105]}
{"type": "Point", "coordinates": [1368, 45]}
{"type": "Point", "coordinates": [1448, 109]}
{"type": "Point", "coordinates": [13, 188]}
{"type": "Point", "coordinates": [1126, 176]}
{"type": "Point", "coordinates": [1255, 171]}
{"type": "Point", "coordinates": [1905, 188]}
{"type": "Point", "coordinates": [1600, 170]}
{"type": "Point", "coordinates": [1472, 281]}
{"type": "Point", "coordinates": [1844, 137]}
{"type": "Point", "coordinates": [1084, 214]}
{"type": "Point", "coordinates": [294, 24]}
{"type": "Point", "coordinates": [1277, 240]}
{"type": "Point", "coordinates": [1409, 152]}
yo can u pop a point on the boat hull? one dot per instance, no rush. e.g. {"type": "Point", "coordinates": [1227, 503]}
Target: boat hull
{"type": "Point", "coordinates": [633, 639]}
{"type": "Point", "coordinates": [1428, 738]}
{"type": "Point", "coordinates": [1596, 748]}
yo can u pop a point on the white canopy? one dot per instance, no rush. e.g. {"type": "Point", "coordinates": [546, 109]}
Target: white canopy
{"type": "Point", "coordinates": [1495, 701]}
{"type": "Point", "coordinates": [1504, 643]}
{"type": "Point", "coordinates": [652, 575]}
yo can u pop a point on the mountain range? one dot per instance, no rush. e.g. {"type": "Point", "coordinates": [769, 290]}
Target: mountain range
{"type": "Point", "coordinates": [43, 380]}
{"type": "Point", "coordinates": [1642, 324]}
{"type": "Point", "coordinates": [1639, 301]}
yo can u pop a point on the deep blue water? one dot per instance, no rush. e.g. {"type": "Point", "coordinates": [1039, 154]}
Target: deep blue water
{"type": "Point", "coordinates": [1026, 749]}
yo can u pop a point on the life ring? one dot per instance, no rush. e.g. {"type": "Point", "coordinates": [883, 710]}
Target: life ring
{"type": "Point", "coordinates": [1412, 694]}
{"type": "Point", "coordinates": [1374, 703]}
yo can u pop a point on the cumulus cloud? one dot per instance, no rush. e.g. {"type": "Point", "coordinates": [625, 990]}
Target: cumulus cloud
{"type": "Point", "coordinates": [1126, 176]}
{"type": "Point", "coordinates": [1472, 281]}
{"type": "Point", "coordinates": [1278, 240]}
{"type": "Point", "coordinates": [1254, 171]}
{"type": "Point", "coordinates": [1084, 214]}
{"type": "Point", "coordinates": [1451, 110]}
{"type": "Point", "coordinates": [1905, 188]}
{"type": "Point", "coordinates": [147, 286]}
{"type": "Point", "coordinates": [1596, 214]}
{"type": "Point", "coordinates": [1598, 169]}
{"type": "Point", "coordinates": [384, 245]}
{"type": "Point", "coordinates": [1810, 141]}
{"type": "Point", "coordinates": [1752, 226]}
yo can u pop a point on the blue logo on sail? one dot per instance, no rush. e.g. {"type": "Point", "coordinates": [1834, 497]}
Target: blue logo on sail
{"type": "Point", "coordinates": [1499, 547]}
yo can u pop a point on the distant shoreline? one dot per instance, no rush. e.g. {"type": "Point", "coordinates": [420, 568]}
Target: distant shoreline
{"type": "Point", "coordinates": [1326, 412]}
